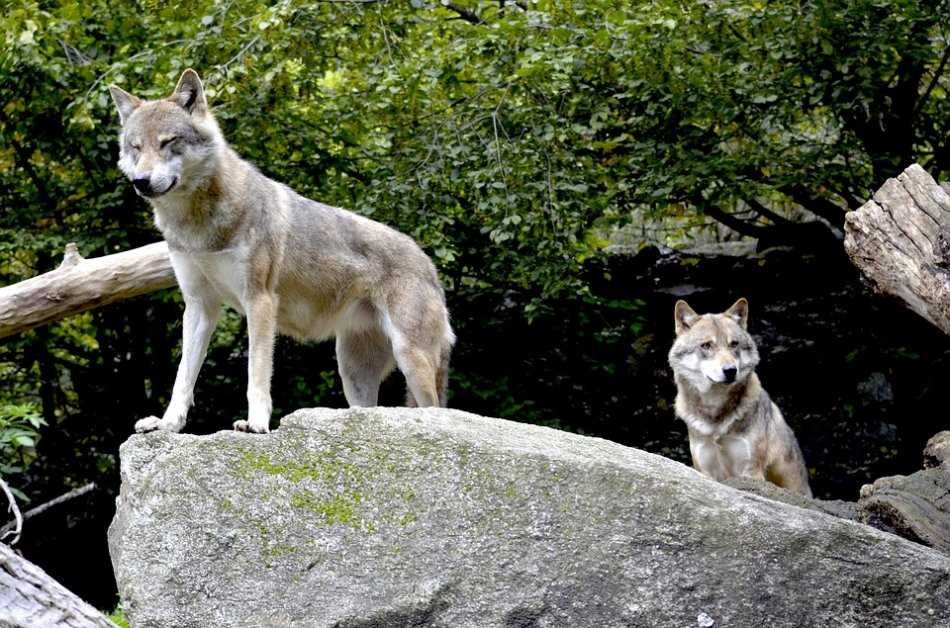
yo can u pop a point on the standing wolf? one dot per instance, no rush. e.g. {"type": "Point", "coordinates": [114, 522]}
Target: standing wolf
{"type": "Point", "coordinates": [734, 427]}
{"type": "Point", "coordinates": [287, 263]}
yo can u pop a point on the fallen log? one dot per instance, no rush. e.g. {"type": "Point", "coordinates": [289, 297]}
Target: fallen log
{"type": "Point", "coordinates": [30, 597]}
{"type": "Point", "coordinates": [82, 284]}
{"type": "Point", "coordinates": [900, 239]}
{"type": "Point", "coordinates": [915, 506]}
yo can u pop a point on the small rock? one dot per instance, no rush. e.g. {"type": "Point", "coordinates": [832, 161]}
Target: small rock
{"type": "Point", "coordinates": [876, 388]}
{"type": "Point", "coordinates": [937, 451]}
{"type": "Point", "coordinates": [705, 621]}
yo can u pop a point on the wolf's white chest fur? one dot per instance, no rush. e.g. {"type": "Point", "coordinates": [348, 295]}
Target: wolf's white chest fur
{"type": "Point", "coordinates": [718, 453]}
{"type": "Point", "coordinates": [721, 456]}
{"type": "Point", "coordinates": [225, 271]}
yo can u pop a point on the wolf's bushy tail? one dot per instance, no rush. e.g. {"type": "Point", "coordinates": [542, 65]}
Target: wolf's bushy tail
{"type": "Point", "coordinates": [442, 374]}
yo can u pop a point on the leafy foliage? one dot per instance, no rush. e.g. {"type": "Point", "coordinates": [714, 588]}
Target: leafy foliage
{"type": "Point", "coordinates": [19, 431]}
{"type": "Point", "coordinates": [118, 617]}
{"type": "Point", "coordinates": [507, 144]}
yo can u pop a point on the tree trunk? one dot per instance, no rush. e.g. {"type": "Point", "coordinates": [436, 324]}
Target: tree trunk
{"type": "Point", "coordinates": [82, 284]}
{"type": "Point", "coordinates": [29, 597]}
{"type": "Point", "coordinates": [901, 240]}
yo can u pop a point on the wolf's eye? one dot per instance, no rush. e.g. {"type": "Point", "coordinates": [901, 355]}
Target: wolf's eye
{"type": "Point", "coordinates": [166, 142]}
{"type": "Point", "coordinates": [706, 346]}
{"type": "Point", "coordinates": [135, 147]}
{"type": "Point", "coordinates": [734, 344]}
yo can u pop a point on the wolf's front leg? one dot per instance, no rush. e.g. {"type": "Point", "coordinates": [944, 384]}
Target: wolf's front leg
{"type": "Point", "coordinates": [201, 317]}
{"type": "Point", "coordinates": [261, 331]}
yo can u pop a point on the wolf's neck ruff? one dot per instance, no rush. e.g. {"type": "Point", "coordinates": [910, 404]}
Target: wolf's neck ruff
{"type": "Point", "coordinates": [716, 410]}
{"type": "Point", "coordinates": [190, 220]}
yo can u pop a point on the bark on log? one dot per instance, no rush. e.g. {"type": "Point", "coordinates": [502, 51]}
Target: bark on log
{"type": "Point", "coordinates": [29, 597]}
{"type": "Point", "coordinates": [915, 506]}
{"type": "Point", "coordinates": [82, 284]}
{"type": "Point", "coordinates": [900, 239]}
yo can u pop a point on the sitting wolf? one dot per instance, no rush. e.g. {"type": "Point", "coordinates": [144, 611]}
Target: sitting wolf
{"type": "Point", "coordinates": [734, 428]}
{"type": "Point", "coordinates": [288, 263]}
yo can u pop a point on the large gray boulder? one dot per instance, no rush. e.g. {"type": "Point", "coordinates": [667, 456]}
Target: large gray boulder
{"type": "Point", "coordinates": [409, 517]}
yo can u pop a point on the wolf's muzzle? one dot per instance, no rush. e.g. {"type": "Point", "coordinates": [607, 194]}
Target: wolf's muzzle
{"type": "Point", "coordinates": [143, 185]}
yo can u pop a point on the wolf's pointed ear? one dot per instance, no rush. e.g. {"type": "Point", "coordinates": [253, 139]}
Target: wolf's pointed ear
{"type": "Point", "coordinates": [124, 102]}
{"type": "Point", "coordinates": [683, 317]}
{"type": "Point", "coordinates": [739, 312]}
{"type": "Point", "coordinates": [189, 93]}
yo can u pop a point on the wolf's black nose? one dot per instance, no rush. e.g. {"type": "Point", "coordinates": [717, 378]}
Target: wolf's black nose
{"type": "Point", "coordinates": [142, 184]}
{"type": "Point", "coordinates": [730, 373]}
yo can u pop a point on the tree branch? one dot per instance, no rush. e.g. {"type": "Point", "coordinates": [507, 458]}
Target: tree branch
{"type": "Point", "coordinates": [32, 598]}
{"type": "Point", "coordinates": [765, 212]}
{"type": "Point", "coordinates": [736, 224]}
{"type": "Point", "coordinates": [933, 81]}
{"type": "Point", "coordinates": [65, 497]}
{"type": "Point", "coordinates": [17, 526]}
{"type": "Point", "coordinates": [463, 13]}
{"type": "Point", "coordinates": [79, 285]}
{"type": "Point", "coordinates": [830, 211]}
{"type": "Point", "coordinates": [901, 241]}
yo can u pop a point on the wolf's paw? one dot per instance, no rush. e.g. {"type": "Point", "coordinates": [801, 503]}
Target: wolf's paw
{"type": "Point", "coordinates": [148, 424]}
{"type": "Point", "coordinates": [152, 423]}
{"type": "Point", "coordinates": [251, 426]}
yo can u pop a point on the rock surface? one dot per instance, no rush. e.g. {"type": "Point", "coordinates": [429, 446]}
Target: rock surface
{"type": "Point", "coordinates": [399, 517]}
{"type": "Point", "coordinates": [835, 507]}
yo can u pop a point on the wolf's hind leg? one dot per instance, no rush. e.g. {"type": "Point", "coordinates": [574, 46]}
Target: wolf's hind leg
{"type": "Point", "coordinates": [364, 358]}
{"type": "Point", "coordinates": [789, 472]}
{"type": "Point", "coordinates": [786, 466]}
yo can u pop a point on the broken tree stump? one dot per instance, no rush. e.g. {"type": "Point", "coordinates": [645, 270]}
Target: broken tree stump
{"type": "Point", "coordinates": [900, 239]}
